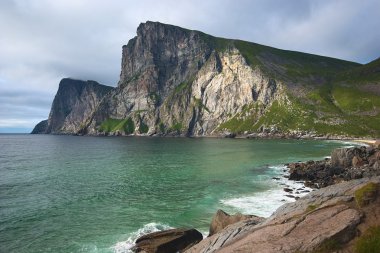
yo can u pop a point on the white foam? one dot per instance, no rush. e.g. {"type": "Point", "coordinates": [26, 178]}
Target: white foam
{"type": "Point", "coordinates": [125, 246]}
{"type": "Point", "coordinates": [266, 202]}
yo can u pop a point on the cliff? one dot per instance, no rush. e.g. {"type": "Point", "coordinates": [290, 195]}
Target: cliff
{"type": "Point", "coordinates": [175, 81]}
{"type": "Point", "coordinates": [74, 102]}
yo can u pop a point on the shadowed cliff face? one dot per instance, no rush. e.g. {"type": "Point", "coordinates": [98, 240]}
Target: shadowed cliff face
{"type": "Point", "coordinates": [175, 81]}
{"type": "Point", "coordinates": [73, 104]}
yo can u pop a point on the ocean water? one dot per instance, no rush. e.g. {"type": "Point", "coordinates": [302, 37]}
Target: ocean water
{"type": "Point", "coordinates": [97, 194]}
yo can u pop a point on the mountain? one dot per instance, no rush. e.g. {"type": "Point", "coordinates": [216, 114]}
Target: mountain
{"type": "Point", "coordinates": [176, 81]}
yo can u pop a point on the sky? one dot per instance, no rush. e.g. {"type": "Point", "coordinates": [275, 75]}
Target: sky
{"type": "Point", "coordinates": [43, 41]}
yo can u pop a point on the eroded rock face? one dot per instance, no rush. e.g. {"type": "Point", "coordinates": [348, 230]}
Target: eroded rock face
{"type": "Point", "coordinates": [73, 105]}
{"type": "Point", "coordinates": [168, 241]}
{"type": "Point", "coordinates": [175, 82]}
{"type": "Point", "coordinates": [222, 219]}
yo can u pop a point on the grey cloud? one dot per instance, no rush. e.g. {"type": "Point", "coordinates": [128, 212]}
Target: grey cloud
{"type": "Point", "coordinates": [43, 41]}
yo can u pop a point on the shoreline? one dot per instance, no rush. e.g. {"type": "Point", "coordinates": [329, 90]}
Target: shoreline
{"type": "Point", "coordinates": [359, 140]}
{"type": "Point", "coordinates": [284, 191]}
{"type": "Point", "coordinates": [368, 154]}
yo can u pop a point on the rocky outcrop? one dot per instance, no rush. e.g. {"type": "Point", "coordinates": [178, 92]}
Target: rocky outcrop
{"type": "Point", "coordinates": [323, 221]}
{"type": "Point", "coordinates": [168, 241]}
{"type": "Point", "coordinates": [345, 164]}
{"type": "Point", "coordinates": [222, 219]}
{"type": "Point", "coordinates": [73, 105]}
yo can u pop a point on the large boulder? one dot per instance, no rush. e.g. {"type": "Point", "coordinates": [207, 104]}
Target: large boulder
{"type": "Point", "coordinates": [342, 157]}
{"type": "Point", "coordinates": [168, 241]}
{"type": "Point", "coordinates": [222, 219]}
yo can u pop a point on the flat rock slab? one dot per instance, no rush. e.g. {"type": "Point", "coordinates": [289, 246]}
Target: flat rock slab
{"type": "Point", "coordinates": [326, 215]}
{"type": "Point", "coordinates": [303, 234]}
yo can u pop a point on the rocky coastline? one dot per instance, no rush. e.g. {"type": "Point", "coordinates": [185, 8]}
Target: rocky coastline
{"type": "Point", "coordinates": [341, 215]}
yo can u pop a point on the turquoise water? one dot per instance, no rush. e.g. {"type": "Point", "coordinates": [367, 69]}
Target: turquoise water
{"type": "Point", "coordinates": [93, 194]}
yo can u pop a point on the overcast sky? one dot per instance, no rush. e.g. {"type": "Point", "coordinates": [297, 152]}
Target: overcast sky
{"type": "Point", "coordinates": [43, 41]}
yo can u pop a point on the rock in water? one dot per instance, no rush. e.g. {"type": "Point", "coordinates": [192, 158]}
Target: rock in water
{"type": "Point", "coordinates": [222, 219]}
{"type": "Point", "coordinates": [168, 241]}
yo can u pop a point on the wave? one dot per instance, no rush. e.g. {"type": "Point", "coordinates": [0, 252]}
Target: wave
{"type": "Point", "coordinates": [125, 246]}
{"type": "Point", "coordinates": [266, 202]}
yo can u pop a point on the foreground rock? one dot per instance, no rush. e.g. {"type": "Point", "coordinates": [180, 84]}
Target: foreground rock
{"type": "Point", "coordinates": [345, 164]}
{"type": "Point", "coordinates": [222, 219]}
{"type": "Point", "coordinates": [169, 241]}
{"type": "Point", "coordinates": [327, 220]}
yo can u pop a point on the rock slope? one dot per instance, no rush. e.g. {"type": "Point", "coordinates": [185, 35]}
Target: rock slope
{"type": "Point", "coordinates": [330, 219]}
{"type": "Point", "coordinates": [175, 81]}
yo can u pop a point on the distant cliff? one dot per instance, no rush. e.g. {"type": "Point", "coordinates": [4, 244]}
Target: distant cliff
{"type": "Point", "coordinates": [73, 104]}
{"type": "Point", "coordinates": [176, 81]}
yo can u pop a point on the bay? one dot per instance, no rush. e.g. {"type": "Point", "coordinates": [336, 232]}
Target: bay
{"type": "Point", "coordinates": [96, 194]}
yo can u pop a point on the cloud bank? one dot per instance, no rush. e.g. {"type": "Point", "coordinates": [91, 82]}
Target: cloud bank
{"type": "Point", "coordinates": [44, 41]}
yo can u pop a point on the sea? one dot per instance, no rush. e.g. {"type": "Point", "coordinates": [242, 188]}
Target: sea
{"type": "Point", "coordinates": [98, 194]}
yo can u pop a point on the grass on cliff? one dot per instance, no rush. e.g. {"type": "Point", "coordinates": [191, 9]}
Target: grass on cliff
{"type": "Point", "coordinates": [366, 194]}
{"type": "Point", "coordinates": [369, 241]}
{"type": "Point", "coordinates": [285, 64]}
{"type": "Point", "coordinates": [351, 99]}
{"type": "Point", "coordinates": [329, 245]}
{"type": "Point", "coordinates": [113, 125]}
{"type": "Point", "coordinates": [243, 121]}
{"type": "Point", "coordinates": [143, 128]}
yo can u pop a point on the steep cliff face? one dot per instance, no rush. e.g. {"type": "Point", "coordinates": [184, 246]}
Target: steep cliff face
{"type": "Point", "coordinates": [182, 82]}
{"type": "Point", "coordinates": [175, 81]}
{"type": "Point", "coordinates": [73, 104]}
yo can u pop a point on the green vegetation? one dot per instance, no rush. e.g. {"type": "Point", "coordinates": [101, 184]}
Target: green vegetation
{"type": "Point", "coordinates": [319, 115]}
{"type": "Point", "coordinates": [329, 245]}
{"type": "Point", "coordinates": [365, 194]}
{"type": "Point", "coordinates": [366, 73]}
{"type": "Point", "coordinates": [113, 125]}
{"type": "Point", "coordinates": [243, 121]}
{"type": "Point", "coordinates": [291, 65]}
{"type": "Point", "coordinates": [143, 128]}
{"type": "Point", "coordinates": [162, 127]}
{"type": "Point", "coordinates": [351, 99]}
{"type": "Point", "coordinates": [369, 242]}
{"type": "Point", "coordinates": [177, 127]}
{"type": "Point", "coordinates": [311, 208]}
{"type": "Point", "coordinates": [184, 86]}
{"type": "Point", "coordinates": [200, 105]}
{"type": "Point", "coordinates": [219, 44]}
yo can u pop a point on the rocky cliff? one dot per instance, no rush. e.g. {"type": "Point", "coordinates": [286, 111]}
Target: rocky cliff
{"type": "Point", "coordinates": [73, 104]}
{"type": "Point", "coordinates": [176, 81]}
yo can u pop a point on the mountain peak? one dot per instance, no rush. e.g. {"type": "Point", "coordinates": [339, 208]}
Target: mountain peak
{"type": "Point", "coordinates": [154, 27]}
